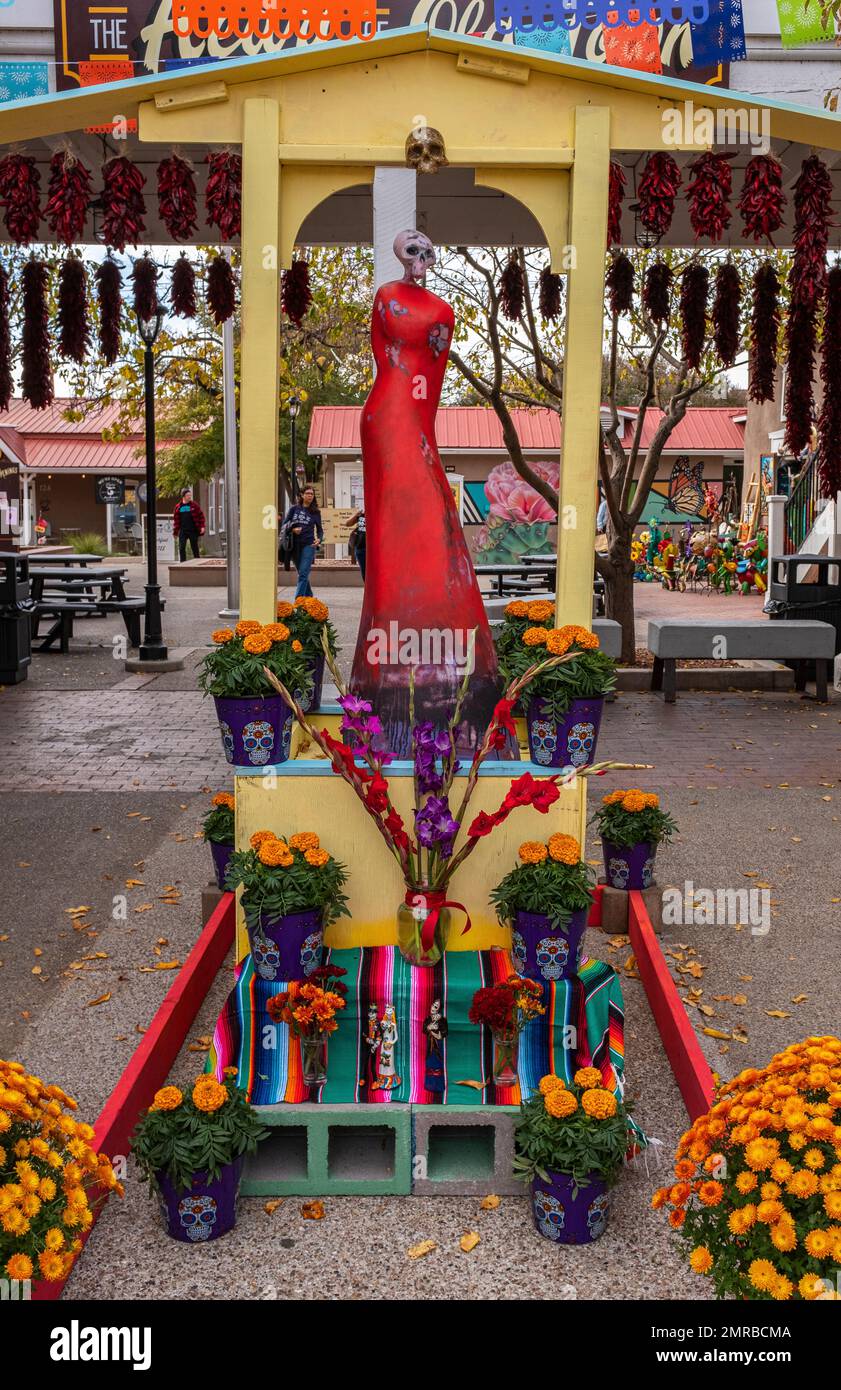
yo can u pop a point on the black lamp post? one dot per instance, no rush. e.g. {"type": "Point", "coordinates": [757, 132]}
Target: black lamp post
{"type": "Point", "coordinates": [152, 648]}
{"type": "Point", "coordinates": [294, 408]}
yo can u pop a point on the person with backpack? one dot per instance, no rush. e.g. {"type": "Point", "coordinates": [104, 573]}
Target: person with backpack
{"type": "Point", "coordinates": [301, 531]}
{"type": "Point", "coordinates": [357, 541]}
{"type": "Point", "coordinates": [188, 524]}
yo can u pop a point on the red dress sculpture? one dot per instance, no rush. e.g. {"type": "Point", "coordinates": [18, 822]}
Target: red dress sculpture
{"type": "Point", "coordinates": [421, 596]}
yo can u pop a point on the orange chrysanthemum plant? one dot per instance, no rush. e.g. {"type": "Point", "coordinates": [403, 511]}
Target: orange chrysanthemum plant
{"type": "Point", "coordinates": [200, 1132]}
{"type": "Point", "coordinates": [528, 633]}
{"type": "Point", "coordinates": [235, 667]}
{"type": "Point", "coordinates": [757, 1196]}
{"type": "Point", "coordinates": [281, 876]}
{"type": "Point", "coordinates": [51, 1179]}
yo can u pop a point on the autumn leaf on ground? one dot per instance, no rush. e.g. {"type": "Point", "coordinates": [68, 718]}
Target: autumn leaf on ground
{"type": "Point", "coordinates": [272, 1206]}
{"type": "Point", "coordinates": [134, 883]}
{"type": "Point", "coordinates": [469, 1241]}
{"type": "Point", "coordinates": [800, 999]}
{"type": "Point", "coordinates": [491, 1202]}
{"type": "Point", "coordinates": [707, 1010]}
{"type": "Point", "coordinates": [144, 907]}
{"type": "Point", "coordinates": [424, 1247]}
{"type": "Point", "coordinates": [777, 1013]}
{"type": "Point", "coordinates": [716, 1033]}
{"type": "Point", "coordinates": [103, 999]}
{"type": "Point", "coordinates": [166, 965]}
{"type": "Point", "coordinates": [740, 999]}
{"type": "Point", "coordinates": [36, 970]}
{"type": "Point", "coordinates": [77, 911]}
{"type": "Point", "coordinates": [313, 1211]}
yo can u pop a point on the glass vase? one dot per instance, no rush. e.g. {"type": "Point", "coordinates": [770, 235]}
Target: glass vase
{"type": "Point", "coordinates": [411, 922]}
{"type": "Point", "coordinates": [506, 1047]}
{"type": "Point", "coordinates": [314, 1059]}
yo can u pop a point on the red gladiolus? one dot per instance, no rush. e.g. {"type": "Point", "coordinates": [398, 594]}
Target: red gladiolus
{"type": "Point", "coordinates": [376, 796]}
{"type": "Point", "coordinates": [502, 716]}
{"type": "Point", "coordinates": [484, 824]}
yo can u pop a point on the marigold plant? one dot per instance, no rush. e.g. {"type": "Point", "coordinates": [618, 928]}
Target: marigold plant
{"type": "Point", "coordinates": [235, 666]}
{"type": "Point", "coordinates": [281, 876]}
{"type": "Point", "coordinates": [550, 879]}
{"type": "Point", "coordinates": [309, 1007]}
{"type": "Point", "coordinates": [308, 620]}
{"type": "Point", "coordinates": [580, 1128]}
{"type": "Point", "coordinates": [218, 824]}
{"type": "Point", "coordinates": [527, 627]}
{"type": "Point", "coordinates": [758, 1204]}
{"type": "Point", "coordinates": [183, 1134]}
{"type": "Point", "coordinates": [51, 1179]}
{"type": "Point", "coordinates": [633, 817]}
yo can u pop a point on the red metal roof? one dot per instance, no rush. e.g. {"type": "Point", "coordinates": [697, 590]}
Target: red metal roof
{"type": "Point", "coordinates": [45, 442]}
{"type": "Point", "coordinates": [473, 429]}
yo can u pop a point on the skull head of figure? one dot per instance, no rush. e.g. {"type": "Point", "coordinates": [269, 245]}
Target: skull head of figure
{"type": "Point", "coordinates": [549, 1214]}
{"type": "Point", "coordinates": [425, 150]}
{"type": "Point", "coordinates": [597, 1215]}
{"type": "Point", "coordinates": [198, 1216]}
{"type": "Point", "coordinates": [258, 740]}
{"type": "Point", "coordinates": [648, 873]}
{"type": "Point", "coordinates": [227, 740]}
{"type": "Point", "coordinates": [415, 253]}
{"type": "Point", "coordinates": [580, 742]}
{"type": "Point", "coordinates": [618, 873]}
{"type": "Point", "coordinates": [551, 956]}
{"type": "Point", "coordinates": [311, 952]}
{"type": "Point", "coordinates": [518, 952]}
{"type": "Point", "coordinates": [544, 741]}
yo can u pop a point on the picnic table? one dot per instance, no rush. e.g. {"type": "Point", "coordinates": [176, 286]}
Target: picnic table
{"type": "Point", "coordinates": [519, 577]}
{"type": "Point", "coordinates": [67, 583]}
{"type": "Point", "coordinates": [82, 561]}
{"type": "Point", "coordinates": [65, 594]}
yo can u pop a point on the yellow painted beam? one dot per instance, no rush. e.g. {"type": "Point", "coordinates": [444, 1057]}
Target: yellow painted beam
{"type": "Point", "coordinates": [259, 395]}
{"type": "Point", "coordinates": [304, 189]}
{"type": "Point", "coordinates": [583, 366]}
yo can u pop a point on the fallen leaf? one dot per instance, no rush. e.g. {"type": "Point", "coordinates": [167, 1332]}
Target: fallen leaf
{"type": "Point", "coordinates": [491, 1202]}
{"type": "Point", "coordinates": [24, 864]}
{"type": "Point", "coordinates": [752, 873]}
{"type": "Point", "coordinates": [269, 1207]}
{"type": "Point", "coordinates": [800, 999]}
{"type": "Point", "coordinates": [77, 911]}
{"type": "Point", "coordinates": [745, 978]}
{"type": "Point", "coordinates": [196, 1047]}
{"type": "Point", "coordinates": [103, 999]}
{"type": "Point", "coordinates": [37, 951]}
{"type": "Point", "coordinates": [134, 883]}
{"type": "Point", "coordinates": [424, 1247]}
{"type": "Point", "coordinates": [777, 1013]}
{"type": "Point", "coordinates": [144, 907]}
{"type": "Point", "coordinates": [740, 999]}
{"type": "Point", "coordinates": [313, 1211]}
{"type": "Point", "coordinates": [36, 970]}
{"type": "Point", "coordinates": [469, 1241]}
{"type": "Point", "coordinates": [707, 1010]}
{"type": "Point", "coordinates": [716, 1033]}
{"type": "Point", "coordinates": [166, 965]}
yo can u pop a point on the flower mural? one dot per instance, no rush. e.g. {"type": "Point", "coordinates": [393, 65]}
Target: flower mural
{"type": "Point", "coordinates": [518, 517]}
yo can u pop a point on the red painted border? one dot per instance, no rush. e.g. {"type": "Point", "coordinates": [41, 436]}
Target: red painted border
{"type": "Point", "coordinates": [595, 918]}
{"type": "Point", "coordinates": [150, 1064]}
{"type": "Point", "coordinates": [690, 1066]}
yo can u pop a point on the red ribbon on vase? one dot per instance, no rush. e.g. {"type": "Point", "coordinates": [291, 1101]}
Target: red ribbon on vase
{"type": "Point", "coordinates": [437, 900]}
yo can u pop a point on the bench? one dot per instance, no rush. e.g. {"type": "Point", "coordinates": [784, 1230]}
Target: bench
{"type": "Point", "coordinates": [672, 639]}
{"type": "Point", "coordinates": [64, 611]}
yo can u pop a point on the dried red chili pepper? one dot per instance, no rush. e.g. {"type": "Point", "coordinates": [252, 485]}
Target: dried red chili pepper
{"type": "Point", "coordinates": [549, 301]}
{"type": "Point", "coordinates": [694, 292]}
{"type": "Point", "coordinates": [727, 302]}
{"type": "Point", "coordinates": [709, 195]}
{"type": "Point", "coordinates": [616, 193]}
{"type": "Point", "coordinates": [37, 373]}
{"type": "Point", "coordinates": [109, 295]}
{"type": "Point", "coordinates": [656, 291]}
{"type": "Point", "coordinates": [68, 197]}
{"type": "Point", "coordinates": [144, 277]}
{"type": "Point", "coordinates": [620, 285]}
{"type": "Point", "coordinates": [177, 199]}
{"type": "Point", "coordinates": [20, 196]}
{"type": "Point", "coordinates": [658, 189]}
{"type": "Point", "coordinates": [295, 295]}
{"type": "Point", "coordinates": [221, 292]}
{"type": "Point", "coordinates": [124, 217]}
{"type": "Point", "coordinates": [801, 339]}
{"type": "Point", "coordinates": [182, 290]}
{"type": "Point", "coordinates": [765, 333]}
{"type": "Point", "coordinates": [807, 281]}
{"type": "Point", "coordinates": [223, 195]}
{"type": "Point", "coordinates": [511, 289]}
{"type": "Point", "coordinates": [74, 329]}
{"type": "Point", "coordinates": [829, 420]}
{"type": "Point", "coordinates": [762, 202]}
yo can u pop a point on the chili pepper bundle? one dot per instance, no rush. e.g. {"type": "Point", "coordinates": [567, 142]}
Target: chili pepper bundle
{"type": "Point", "coordinates": [295, 294]}
{"type": "Point", "coordinates": [6, 382]}
{"type": "Point", "coordinates": [223, 195]}
{"type": "Point", "coordinates": [829, 421]}
{"type": "Point", "coordinates": [765, 333]}
{"type": "Point", "coordinates": [20, 196]}
{"type": "Point", "coordinates": [177, 199]}
{"type": "Point", "coordinates": [616, 193]}
{"type": "Point", "coordinates": [549, 301]}
{"type": "Point", "coordinates": [709, 195]}
{"type": "Point", "coordinates": [511, 289]}
{"type": "Point", "coordinates": [658, 189]}
{"type": "Point", "coordinates": [124, 218]}
{"type": "Point", "coordinates": [221, 292]}
{"type": "Point", "coordinates": [145, 280]}
{"type": "Point", "coordinates": [694, 292]}
{"type": "Point", "coordinates": [109, 295]}
{"type": "Point", "coordinates": [801, 341]}
{"type": "Point", "coordinates": [37, 374]}
{"type": "Point", "coordinates": [74, 329]}
{"type": "Point", "coordinates": [182, 288]}
{"type": "Point", "coordinates": [812, 220]}
{"type": "Point", "coordinates": [620, 285]}
{"type": "Point", "coordinates": [725, 313]}
{"type": "Point", "coordinates": [762, 201]}
{"type": "Point", "coordinates": [656, 290]}
{"type": "Point", "coordinates": [68, 197]}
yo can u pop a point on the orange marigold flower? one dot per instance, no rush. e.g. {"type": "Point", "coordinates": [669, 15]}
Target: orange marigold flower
{"type": "Point", "coordinates": [811, 1286]}
{"type": "Point", "coordinates": [284, 609]}
{"type": "Point", "coordinates": [684, 1168]}
{"type": "Point", "coordinates": [813, 1158]}
{"type": "Point", "coordinates": [257, 644]}
{"type": "Point", "coordinates": [532, 852]}
{"type": "Point", "coordinates": [818, 1244]}
{"type": "Point", "coordinates": [564, 849]}
{"type": "Point", "coordinates": [770, 1211]}
{"type": "Point", "coordinates": [679, 1194]}
{"type": "Point", "coordinates": [19, 1267]}
{"type": "Point", "coordinates": [760, 1153]}
{"type": "Point", "coordinates": [560, 1103]}
{"type": "Point", "coordinates": [168, 1098]}
{"type": "Point", "coordinates": [317, 857]}
{"type": "Point", "coordinates": [304, 839]}
{"type": "Point", "coordinates": [677, 1218]}
{"type": "Point", "coordinates": [599, 1104]}
{"type": "Point", "coordinates": [540, 610]}
{"type": "Point", "coordinates": [701, 1260]}
{"type": "Point", "coordinates": [556, 643]}
{"type": "Point", "coordinates": [660, 1198]}
{"type": "Point", "coordinates": [261, 837]}
{"type": "Point", "coordinates": [51, 1264]}
{"type": "Point", "coordinates": [783, 1236]}
{"type": "Point", "coordinates": [551, 1083]}
{"type": "Point", "coordinates": [832, 1204]}
{"type": "Point", "coordinates": [633, 801]}
{"type": "Point", "coordinates": [224, 799]}
{"type": "Point", "coordinates": [209, 1095]}
{"type": "Point", "coordinates": [247, 626]}
{"type": "Point", "coordinates": [535, 637]}
{"type": "Point", "coordinates": [276, 632]}
{"type": "Point", "coordinates": [275, 854]}
{"type": "Point", "coordinates": [588, 1077]}
{"type": "Point", "coordinates": [517, 609]}
{"type": "Point", "coordinates": [220, 635]}
{"type": "Point", "coordinates": [741, 1219]}
{"type": "Point", "coordinates": [781, 1288]}
{"type": "Point", "coordinates": [803, 1183]}
{"type": "Point", "coordinates": [296, 646]}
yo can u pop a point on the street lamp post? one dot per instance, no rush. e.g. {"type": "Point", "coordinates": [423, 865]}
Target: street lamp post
{"type": "Point", "coordinates": [152, 648]}
{"type": "Point", "coordinates": [294, 408]}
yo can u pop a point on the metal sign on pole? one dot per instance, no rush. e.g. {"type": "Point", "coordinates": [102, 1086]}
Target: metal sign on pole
{"type": "Point", "coordinates": [231, 468]}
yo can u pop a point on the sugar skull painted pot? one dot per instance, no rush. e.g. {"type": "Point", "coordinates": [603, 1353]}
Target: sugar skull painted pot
{"type": "Point", "coordinates": [629, 866]}
{"type": "Point", "coordinates": [543, 951]}
{"type": "Point", "coordinates": [255, 732]}
{"type": "Point", "coordinates": [207, 1210]}
{"type": "Point", "coordinates": [570, 743]}
{"type": "Point", "coordinates": [565, 1218]}
{"type": "Point", "coordinates": [312, 701]}
{"type": "Point", "coordinates": [285, 948]}
{"type": "Point", "coordinates": [220, 855]}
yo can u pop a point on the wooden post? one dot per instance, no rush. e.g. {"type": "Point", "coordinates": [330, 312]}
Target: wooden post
{"type": "Point", "coordinates": [583, 366]}
{"type": "Point", "coordinates": [259, 396]}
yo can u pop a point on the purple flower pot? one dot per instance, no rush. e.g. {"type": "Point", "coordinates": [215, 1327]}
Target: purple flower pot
{"type": "Point", "coordinates": [572, 742]}
{"type": "Point", "coordinates": [286, 948]}
{"type": "Point", "coordinates": [568, 1219]}
{"type": "Point", "coordinates": [255, 731]}
{"type": "Point", "coordinates": [220, 854]}
{"type": "Point", "coordinates": [629, 866]}
{"type": "Point", "coordinates": [541, 951]}
{"type": "Point", "coordinates": [204, 1212]}
{"type": "Point", "coordinates": [313, 701]}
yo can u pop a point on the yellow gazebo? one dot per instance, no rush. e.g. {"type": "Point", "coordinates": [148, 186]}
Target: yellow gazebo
{"type": "Point", "coordinates": [535, 133]}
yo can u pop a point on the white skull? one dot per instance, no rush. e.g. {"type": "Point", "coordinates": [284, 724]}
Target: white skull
{"type": "Point", "coordinates": [311, 952]}
{"type": "Point", "coordinates": [265, 954]}
{"type": "Point", "coordinates": [227, 740]}
{"type": "Point", "coordinates": [549, 1214]}
{"type": "Point", "coordinates": [648, 873]}
{"type": "Point", "coordinates": [518, 952]}
{"type": "Point", "coordinates": [544, 741]}
{"type": "Point", "coordinates": [258, 740]}
{"type": "Point", "coordinates": [551, 955]}
{"type": "Point", "coordinates": [618, 873]}
{"type": "Point", "coordinates": [597, 1215]}
{"type": "Point", "coordinates": [580, 742]}
{"type": "Point", "coordinates": [198, 1216]}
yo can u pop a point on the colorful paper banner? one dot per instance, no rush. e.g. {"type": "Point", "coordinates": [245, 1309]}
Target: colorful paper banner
{"type": "Point", "coordinates": [21, 80]}
{"type": "Point", "coordinates": [801, 22]}
{"type": "Point", "coordinates": [721, 38]}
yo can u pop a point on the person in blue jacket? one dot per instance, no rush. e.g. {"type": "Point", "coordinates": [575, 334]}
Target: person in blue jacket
{"type": "Point", "coordinates": [303, 523]}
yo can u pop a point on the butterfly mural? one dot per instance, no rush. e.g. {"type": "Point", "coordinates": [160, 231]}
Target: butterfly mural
{"type": "Point", "coordinates": [685, 496]}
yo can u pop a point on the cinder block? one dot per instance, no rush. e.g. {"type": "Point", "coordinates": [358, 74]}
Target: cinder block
{"type": "Point", "coordinates": [464, 1150]}
{"type": "Point", "coordinates": [327, 1150]}
{"type": "Point", "coordinates": [614, 919]}
{"type": "Point", "coordinates": [210, 899]}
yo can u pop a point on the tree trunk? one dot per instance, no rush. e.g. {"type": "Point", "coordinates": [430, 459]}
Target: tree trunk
{"type": "Point", "coordinates": [619, 592]}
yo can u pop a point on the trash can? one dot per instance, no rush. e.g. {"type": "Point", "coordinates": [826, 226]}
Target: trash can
{"type": "Point", "coordinates": [15, 632]}
{"type": "Point", "coordinates": [806, 587]}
